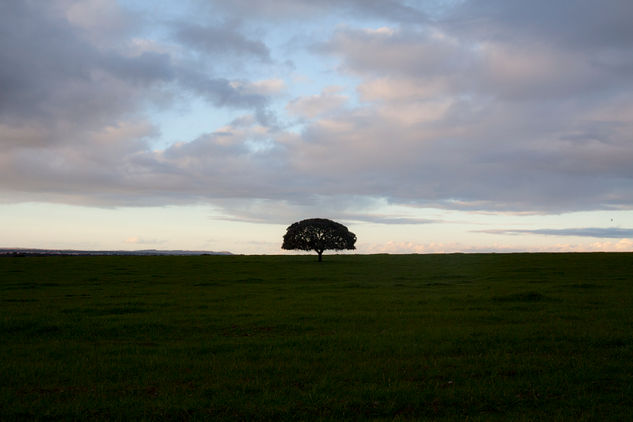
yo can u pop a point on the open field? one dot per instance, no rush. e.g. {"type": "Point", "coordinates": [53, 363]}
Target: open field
{"type": "Point", "coordinates": [409, 337]}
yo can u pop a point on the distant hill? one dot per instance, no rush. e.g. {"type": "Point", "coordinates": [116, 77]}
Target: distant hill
{"type": "Point", "coordinates": [144, 252]}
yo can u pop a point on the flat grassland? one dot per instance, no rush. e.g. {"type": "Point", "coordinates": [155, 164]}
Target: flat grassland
{"type": "Point", "coordinates": [356, 337]}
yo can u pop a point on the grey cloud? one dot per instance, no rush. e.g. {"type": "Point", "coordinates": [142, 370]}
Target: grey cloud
{"type": "Point", "coordinates": [34, 62]}
{"type": "Point", "coordinates": [582, 24]}
{"type": "Point", "coordinates": [223, 40]}
{"type": "Point", "coordinates": [602, 233]}
{"type": "Point", "coordinates": [146, 68]}
{"type": "Point", "coordinates": [60, 86]}
{"type": "Point", "coordinates": [483, 164]}
{"type": "Point", "coordinates": [53, 77]}
{"type": "Point", "coordinates": [385, 219]}
{"type": "Point", "coordinates": [521, 71]}
{"type": "Point", "coordinates": [527, 126]}
{"type": "Point", "coordinates": [395, 10]}
{"type": "Point", "coordinates": [469, 132]}
{"type": "Point", "coordinates": [569, 47]}
{"type": "Point", "coordinates": [71, 125]}
{"type": "Point", "coordinates": [220, 91]}
{"type": "Point", "coordinates": [50, 70]}
{"type": "Point", "coordinates": [350, 209]}
{"type": "Point", "coordinates": [396, 52]}
{"type": "Point", "coordinates": [185, 174]}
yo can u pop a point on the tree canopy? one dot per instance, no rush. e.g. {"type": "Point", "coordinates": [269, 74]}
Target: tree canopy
{"type": "Point", "coordinates": [318, 234]}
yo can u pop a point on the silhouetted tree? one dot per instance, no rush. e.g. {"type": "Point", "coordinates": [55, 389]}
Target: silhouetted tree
{"type": "Point", "coordinates": [318, 234]}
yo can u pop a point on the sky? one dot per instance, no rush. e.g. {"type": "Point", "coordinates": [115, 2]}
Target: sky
{"type": "Point", "coordinates": [424, 126]}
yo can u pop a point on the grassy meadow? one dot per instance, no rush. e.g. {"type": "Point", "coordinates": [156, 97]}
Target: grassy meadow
{"type": "Point", "coordinates": [356, 337]}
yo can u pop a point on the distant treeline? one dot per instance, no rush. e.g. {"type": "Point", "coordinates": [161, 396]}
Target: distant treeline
{"type": "Point", "coordinates": [18, 252]}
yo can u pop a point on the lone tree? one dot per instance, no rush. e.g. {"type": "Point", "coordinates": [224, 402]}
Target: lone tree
{"type": "Point", "coordinates": [318, 234]}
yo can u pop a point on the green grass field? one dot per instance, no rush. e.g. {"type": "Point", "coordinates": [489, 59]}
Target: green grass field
{"type": "Point", "coordinates": [400, 337]}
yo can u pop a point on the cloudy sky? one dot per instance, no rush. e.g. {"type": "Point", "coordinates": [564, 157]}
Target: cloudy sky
{"type": "Point", "coordinates": [424, 126]}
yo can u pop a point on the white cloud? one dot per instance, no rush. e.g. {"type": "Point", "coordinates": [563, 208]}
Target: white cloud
{"type": "Point", "coordinates": [330, 100]}
{"type": "Point", "coordinates": [138, 240]}
{"type": "Point", "coordinates": [262, 87]}
{"type": "Point", "coordinates": [403, 89]}
{"type": "Point", "coordinates": [382, 31]}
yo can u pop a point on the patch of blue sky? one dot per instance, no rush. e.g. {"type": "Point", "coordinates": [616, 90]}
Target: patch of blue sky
{"type": "Point", "coordinates": [312, 69]}
{"type": "Point", "coordinates": [188, 122]}
{"type": "Point", "coordinates": [160, 9]}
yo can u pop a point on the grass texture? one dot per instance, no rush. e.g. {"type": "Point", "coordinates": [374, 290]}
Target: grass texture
{"type": "Point", "coordinates": [356, 337]}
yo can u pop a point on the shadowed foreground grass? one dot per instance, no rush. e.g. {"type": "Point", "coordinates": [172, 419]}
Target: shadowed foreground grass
{"type": "Point", "coordinates": [441, 337]}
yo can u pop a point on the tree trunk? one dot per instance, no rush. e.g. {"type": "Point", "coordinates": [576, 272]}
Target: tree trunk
{"type": "Point", "coordinates": [320, 254]}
